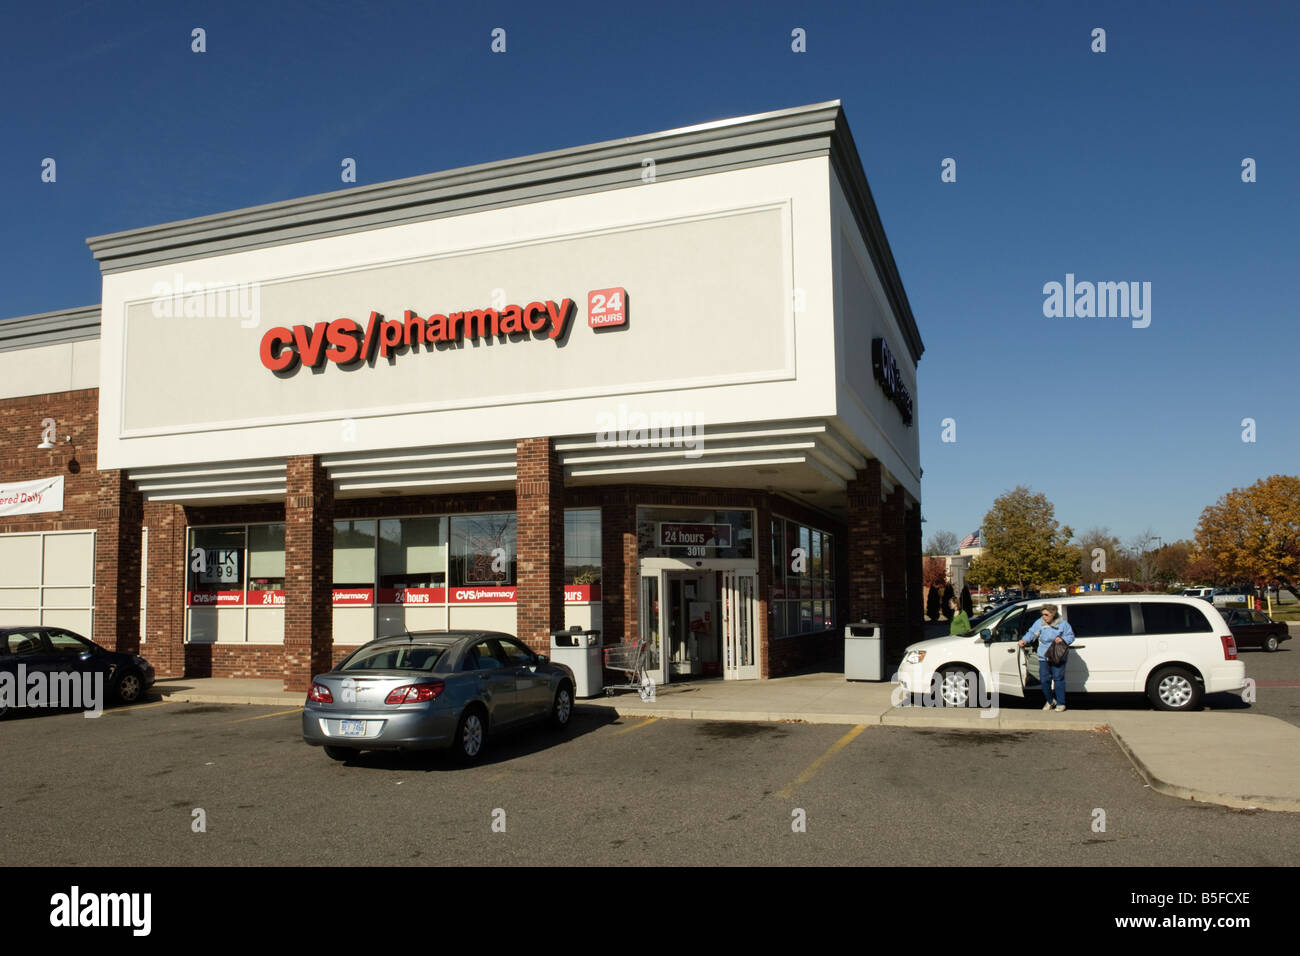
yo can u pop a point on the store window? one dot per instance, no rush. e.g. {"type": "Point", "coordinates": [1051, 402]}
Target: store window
{"type": "Point", "coordinates": [582, 551]}
{"type": "Point", "coordinates": [354, 561]}
{"type": "Point", "coordinates": [265, 558]}
{"type": "Point", "coordinates": [695, 533]}
{"type": "Point", "coordinates": [412, 553]}
{"type": "Point", "coordinates": [803, 589]}
{"type": "Point", "coordinates": [235, 584]}
{"type": "Point", "coordinates": [216, 566]}
{"type": "Point", "coordinates": [483, 550]}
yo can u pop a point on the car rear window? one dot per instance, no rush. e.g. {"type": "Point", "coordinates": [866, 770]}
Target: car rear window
{"type": "Point", "coordinates": [1169, 618]}
{"type": "Point", "coordinates": [1100, 620]}
{"type": "Point", "coordinates": [395, 657]}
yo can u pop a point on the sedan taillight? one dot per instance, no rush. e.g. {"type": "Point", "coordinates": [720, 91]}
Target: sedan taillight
{"type": "Point", "coordinates": [320, 694]}
{"type": "Point", "coordinates": [415, 693]}
{"type": "Point", "coordinates": [1229, 647]}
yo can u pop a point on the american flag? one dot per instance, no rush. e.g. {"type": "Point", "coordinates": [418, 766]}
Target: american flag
{"type": "Point", "coordinates": [971, 540]}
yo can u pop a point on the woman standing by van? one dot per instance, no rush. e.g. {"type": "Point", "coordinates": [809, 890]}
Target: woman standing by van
{"type": "Point", "coordinates": [1048, 630]}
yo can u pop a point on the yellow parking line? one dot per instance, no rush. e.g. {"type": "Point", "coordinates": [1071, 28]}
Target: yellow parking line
{"type": "Point", "coordinates": [628, 730]}
{"type": "Point", "coordinates": [816, 765]}
{"type": "Point", "coordinates": [278, 713]}
{"type": "Point", "coordinates": [134, 707]}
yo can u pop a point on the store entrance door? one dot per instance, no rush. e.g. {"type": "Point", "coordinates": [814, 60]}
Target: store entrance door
{"type": "Point", "coordinates": [692, 638]}
{"type": "Point", "coordinates": [739, 607]}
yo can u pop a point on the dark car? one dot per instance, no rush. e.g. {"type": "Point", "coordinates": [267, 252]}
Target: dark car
{"type": "Point", "coordinates": [1255, 629]}
{"type": "Point", "coordinates": [431, 690]}
{"type": "Point", "coordinates": [56, 650]}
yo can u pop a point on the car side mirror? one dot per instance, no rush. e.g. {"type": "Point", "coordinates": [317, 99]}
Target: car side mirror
{"type": "Point", "coordinates": [987, 636]}
{"type": "Point", "coordinates": [543, 659]}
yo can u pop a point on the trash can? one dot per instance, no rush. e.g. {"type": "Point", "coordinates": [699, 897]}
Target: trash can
{"type": "Point", "coordinates": [579, 650]}
{"type": "Point", "coordinates": [864, 652]}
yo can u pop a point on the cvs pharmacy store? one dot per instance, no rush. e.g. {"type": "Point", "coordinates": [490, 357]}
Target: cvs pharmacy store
{"type": "Point", "coordinates": [659, 386]}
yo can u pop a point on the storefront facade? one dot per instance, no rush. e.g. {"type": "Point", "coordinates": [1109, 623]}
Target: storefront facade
{"type": "Point", "coordinates": [660, 386]}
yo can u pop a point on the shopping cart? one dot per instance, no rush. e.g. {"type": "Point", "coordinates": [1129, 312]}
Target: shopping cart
{"type": "Point", "coordinates": [630, 658]}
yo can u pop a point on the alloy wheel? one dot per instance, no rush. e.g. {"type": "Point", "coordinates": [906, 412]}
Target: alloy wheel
{"type": "Point", "coordinates": [955, 688]}
{"type": "Point", "coordinates": [471, 739]}
{"type": "Point", "coordinates": [128, 688]}
{"type": "Point", "coordinates": [1175, 691]}
{"type": "Point", "coordinates": [563, 706]}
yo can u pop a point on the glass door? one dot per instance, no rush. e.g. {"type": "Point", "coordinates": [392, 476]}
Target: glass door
{"type": "Point", "coordinates": [650, 613]}
{"type": "Point", "coordinates": [739, 616]}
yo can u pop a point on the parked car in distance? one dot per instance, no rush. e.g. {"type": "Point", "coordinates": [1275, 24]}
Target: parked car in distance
{"type": "Point", "coordinates": [1204, 593]}
{"type": "Point", "coordinates": [428, 690]}
{"type": "Point", "coordinates": [1171, 648]}
{"type": "Point", "coordinates": [1255, 629]}
{"type": "Point", "coordinates": [56, 649]}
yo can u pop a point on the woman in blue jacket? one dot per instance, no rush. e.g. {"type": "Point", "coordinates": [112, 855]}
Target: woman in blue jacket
{"type": "Point", "coordinates": [1047, 630]}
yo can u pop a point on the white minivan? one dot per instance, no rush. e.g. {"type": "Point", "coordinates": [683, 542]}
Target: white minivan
{"type": "Point", "coordinates": [1171, 648]}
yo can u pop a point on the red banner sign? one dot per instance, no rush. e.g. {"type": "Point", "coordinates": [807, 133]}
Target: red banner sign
{"type": "Point", "coordinates": [211, 598]}
{"type": "Point", "coordinates": [483, 595]}
{"type": "Point", "coordinates": [412, 596]}
{"type": "Point", "coordinates": [349, 596]}
{"type": "Point", "coordinates": [264, 598]}
{"type": "Point", "coordinates": [581, 593]}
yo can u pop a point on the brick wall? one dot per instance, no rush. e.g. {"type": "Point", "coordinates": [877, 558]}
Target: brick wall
{"type": "Point", "coordinates": [165, 595]}
{"type": "Point", "coordinates": [234, 660]}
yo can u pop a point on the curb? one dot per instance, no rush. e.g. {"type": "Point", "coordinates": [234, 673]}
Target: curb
{"type": "Point", "coordinates": [295, 700]}
{"type": "Point", "coordinates": [1236, 801]}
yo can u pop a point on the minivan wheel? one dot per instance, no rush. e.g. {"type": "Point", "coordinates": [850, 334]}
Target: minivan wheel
{"type": "Point", "coordinates": [562, 709]}
{"type": "Point", "coordinates": [1270, 642]}
{"type": "Point", "coordinates": [957, 687]}
{"type": "Point", "coordinates": [1174, 688]}
{"type": "Point", "coordinates": [470, 734]}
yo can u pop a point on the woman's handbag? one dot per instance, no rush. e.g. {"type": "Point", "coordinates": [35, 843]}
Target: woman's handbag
{"type": "Point", "coordinates": [1057, 653]}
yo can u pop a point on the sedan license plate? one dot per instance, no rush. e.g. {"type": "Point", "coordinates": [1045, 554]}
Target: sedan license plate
{"type": "Point", "coordinates": [352, 728]}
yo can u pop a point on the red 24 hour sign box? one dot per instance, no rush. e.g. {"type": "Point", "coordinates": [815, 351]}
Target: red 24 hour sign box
{"type": "Point", "coordinates": [606, 308]}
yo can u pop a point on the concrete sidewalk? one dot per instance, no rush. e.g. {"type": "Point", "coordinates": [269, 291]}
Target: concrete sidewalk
{"type": "Point", "coordinates": [1231, 759]}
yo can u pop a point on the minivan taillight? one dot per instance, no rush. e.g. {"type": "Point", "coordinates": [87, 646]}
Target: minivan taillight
{"type": "Point", "coordinates": [1229, 647]}
{"type": "Point", "coordinates": [320, 694]}
{"type": "Point", "coordinates": [415, 693]}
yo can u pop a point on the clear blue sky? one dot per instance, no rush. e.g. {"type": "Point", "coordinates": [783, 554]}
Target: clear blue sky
{"type": "Point", "coordinates": [1122, 166]}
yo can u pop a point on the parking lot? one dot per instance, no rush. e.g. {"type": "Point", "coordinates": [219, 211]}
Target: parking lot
{"type": "Point", "coordinates": [124, 790]}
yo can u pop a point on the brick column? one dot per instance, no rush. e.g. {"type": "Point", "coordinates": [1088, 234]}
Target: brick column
{"type": "Point", "coordinates": [894, 565]}
{"type": "Point", "coordinates": [865, 555]}
{"type": "Point", "coordinates": [539, 504]}
{"type": "Point", "coordinates": [117, 563]}
{"type": "Point", "coordinates": [308, 572]}
{"type": "Point", "coordinates": [616, 519]}
{"type": "Point", "coordinates": [912, 608]}
{"type": "Point", "coordinates": [165, 593]}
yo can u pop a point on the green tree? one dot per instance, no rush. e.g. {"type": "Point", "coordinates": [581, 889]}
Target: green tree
{"type": "Point", "coordinates": [1026, 546]}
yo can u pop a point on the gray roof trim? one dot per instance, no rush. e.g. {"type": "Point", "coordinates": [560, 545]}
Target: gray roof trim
{"type": "Point", "coordinates": [763, 138]}
{"type": "Point", "coordinates": [50, 328]}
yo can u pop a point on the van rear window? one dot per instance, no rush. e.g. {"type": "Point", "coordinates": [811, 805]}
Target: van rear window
{"type": "Point", "coordinates": [1160, 618]}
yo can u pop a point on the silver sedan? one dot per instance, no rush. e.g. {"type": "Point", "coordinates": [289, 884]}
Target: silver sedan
{"type": "Point", "coordinates": [434, 689]}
